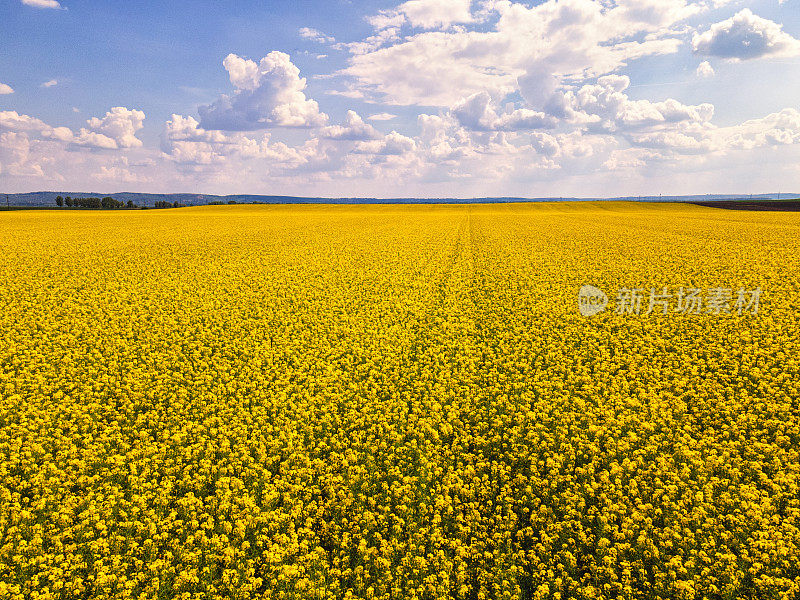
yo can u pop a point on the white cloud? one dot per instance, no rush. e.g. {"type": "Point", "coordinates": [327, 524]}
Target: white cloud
{"type": "Point", "coordinates": [446, 150]}
{"type": "Point", "coordinates": [477, 113]}
{"type": "Point", "coordinates": [183, 141]}
{"type": "Point", "coordinates": [117, 129]}
{"type": "Point", "coordinates": [6, 89]}
{"type": "Point", "coordinates": [13, 122]}
{"type": "Point", "coordinates": [382, 117]}
{"type": "Point", "coordinates": [446, 154]}
{"type": "Point", "coordinates": [392, 144]}
{"type": "Point", "coordinates": [348, 93]}
{"type": "Point", "coordinates": [387, 19]}
{"type": "Point", "coordinates": [14, 150]}
{"type": "Point", "coordinates": [309, 33]}
{"type": "Point", "coordinates": [776, 129]}
{"type": "Point", "coordinates": [425, 14]}
{"type": "Point", "coordinates": [431, 14]}
{"type": "Point", "coordinates": [537, 85]}
{"type": "Point", "coordinates": [523, 119]}
{"type": "Point", "coordinates": [354, 129]}
{"type": "Point", "coordinates": [605, 107]}
{"type": "Point", "coordinates": [745, 36]}
{"type": "Point", "coordinates": [268, 94]}
{"type": "Point", "coordinates": [676, 141]}
{"type": "Point", "coordinates": [50, 83]}
{"type": "Point", "coordinates": [92, 139]}
{"type": "Point", "coordinates": [28, 144]}
{"type": "Point", "coordinates": [545, 144]}
{"type": "Point", "coordinates": [117, 174]}
{"type": "Point", "coordinates": [42, 3]}
{"type": "Point", "coordinates": [431, 69]}
{"type": "Point", "coordinates": [527, 48]}
{"type": "Point", "coordinates": [371, 43]}
{"type": "Point", "coordinates": [574, 145]}
{"type": "Point", "coordinates": [61, 134]}
{"type": "Point", "coordinates": [182, 129]}
{"type": "Point", "coordinates": [630, 158]}
{"type": "Point", "coordinates": [705, 70]}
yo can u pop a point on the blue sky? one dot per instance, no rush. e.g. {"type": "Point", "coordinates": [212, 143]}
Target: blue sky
{"type": "Point", "coordinates": [423, 97]}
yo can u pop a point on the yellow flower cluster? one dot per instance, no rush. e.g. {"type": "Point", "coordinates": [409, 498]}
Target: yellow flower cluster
{"type": "Point", "coordinates": [396, 402]}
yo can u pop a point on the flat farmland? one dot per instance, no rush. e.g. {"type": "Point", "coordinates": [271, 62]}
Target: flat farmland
{"type": "Point", "coordinates": [400, 402]}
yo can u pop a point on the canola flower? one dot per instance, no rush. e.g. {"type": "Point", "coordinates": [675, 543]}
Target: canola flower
{"type": "Point", "coordinates": [396, 402]}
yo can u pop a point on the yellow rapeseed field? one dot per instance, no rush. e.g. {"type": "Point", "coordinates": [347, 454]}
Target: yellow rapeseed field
{"type": "Point", "coordinates": [397, 402]}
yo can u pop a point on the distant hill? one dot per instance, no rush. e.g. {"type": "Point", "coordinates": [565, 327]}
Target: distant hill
{"type": "Point", "coordinates": [34, 199]}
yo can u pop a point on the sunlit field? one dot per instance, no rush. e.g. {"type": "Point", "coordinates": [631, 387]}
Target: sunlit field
{"type": "Point", "coordinates": [397, 402]}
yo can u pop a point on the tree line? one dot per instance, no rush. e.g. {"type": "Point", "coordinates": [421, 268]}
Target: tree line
{"type": "Point", "coordinates": [108, 203]}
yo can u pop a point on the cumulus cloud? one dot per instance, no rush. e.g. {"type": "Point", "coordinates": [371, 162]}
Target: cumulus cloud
{"type": "Point", "coordinates": [42, 3]}
{"type": "Point", "coordinates": [12, 121]}
{"type": "Point", "coordinates": [537, 85]}
{"type": "Point", "coordinates": [776, 129]}
{"type": "Point", "coordinates": [530, 49]}
{"type": "Point", "coordinates": [675, 141]}
{"type": "Point", "coordinates": [426, 14]}
{"type": "Point", "coordinates": [545, 144]}
{"type": "Point", "coordinates": [649, 13]}
{"type": "Point", "coordinates": [22, 155]}
{"type": "Point", "coordinates": [185, 142]}
{"type": "Point", "coordinates": [117, 129]}
{"type": "Point", "coordinates": [430, 70]}
{"type": "Point", "coordinates": [705, 70]}
{"type": "Point", "coordinates": [445, 151]}
{"type": "Point", "coordinates": [268, 94]}
{"type": "Point", "coordinates": [745, 36]}
{"type": "Point", "coordinates": [523, 119]}
{"type": "Point", "coordinates": [604, 106]}
{"type": "Point", "coordinates": [14, 150]}
{"type": "Point", "coordinates": [354, 129]}
{"type": "Point", "coordinates": [181, 129]}
{"type": "Point", "coordinates": [573, 145]}
{"type": "Point", "coordinates": [5, 89]}
{"type": "Point", "coordinates": [28, 143]}
{"type": "Point", "coordinates": [309, 33]}
{"type": "Point", "coordinates": [50, 83]}
{"type": "Point", "coordinates": [392, 144]}
{"type": "Point", "coordinates": [477, 113]}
